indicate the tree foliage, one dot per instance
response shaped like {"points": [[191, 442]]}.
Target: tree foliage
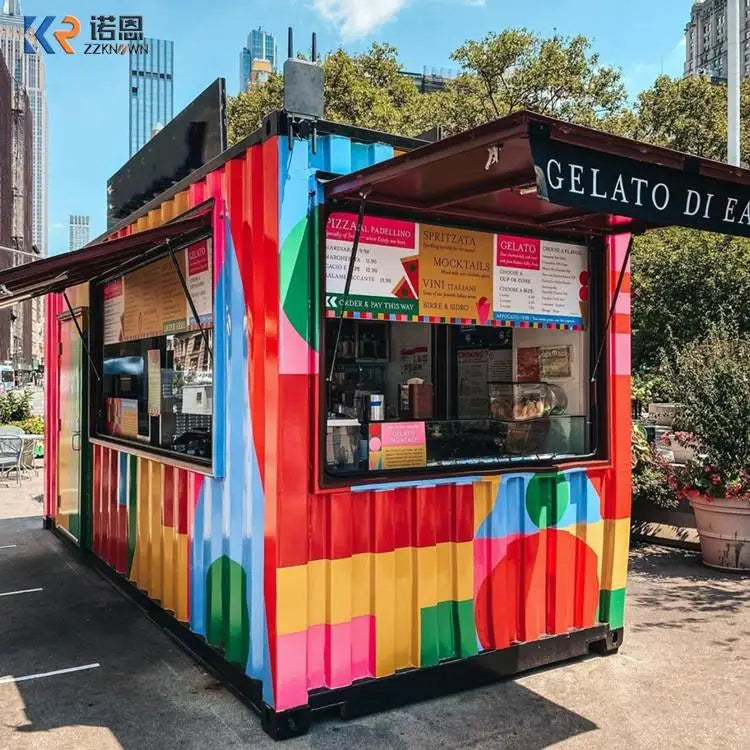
{"points": [[501, 73], [516, 69], [366, 90], [684, 281]]}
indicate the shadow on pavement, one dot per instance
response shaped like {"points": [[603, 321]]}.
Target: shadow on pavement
{"points": [[149, 693], [675, 583]]}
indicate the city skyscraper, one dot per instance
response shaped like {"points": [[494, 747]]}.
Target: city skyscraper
{"points": [[28, 72], [79, 231], [28, 113], [706, 39], [151, 91], [260, 46]]}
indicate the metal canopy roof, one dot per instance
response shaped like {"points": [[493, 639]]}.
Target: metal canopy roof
{"points": [[531, 172], [59, 272]]}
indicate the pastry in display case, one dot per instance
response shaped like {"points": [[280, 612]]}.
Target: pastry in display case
{"points": [[519, 402]]}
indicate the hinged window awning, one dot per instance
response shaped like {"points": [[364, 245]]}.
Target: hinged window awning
{"points": [[534, 173], [60, 272]]}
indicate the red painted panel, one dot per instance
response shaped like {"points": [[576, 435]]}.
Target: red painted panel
{"points": [[168, 496], [183, 513], [529, 593]]}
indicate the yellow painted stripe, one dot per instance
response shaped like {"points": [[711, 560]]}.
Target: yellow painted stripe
{"points": [[167, 570], [141, 571], [593, 535], [485, 492], [155, 538], [182, 573], [405, 581], [181, 203], [385, 614], [615, 557]]}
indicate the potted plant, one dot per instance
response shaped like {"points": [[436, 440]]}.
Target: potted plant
{"points": [[681, 444], [714, 381]]}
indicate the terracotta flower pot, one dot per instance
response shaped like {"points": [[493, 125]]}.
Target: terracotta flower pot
{"points": [[724, 530]]}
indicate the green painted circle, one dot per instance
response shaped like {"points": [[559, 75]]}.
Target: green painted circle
{"points": [[547, 498]]}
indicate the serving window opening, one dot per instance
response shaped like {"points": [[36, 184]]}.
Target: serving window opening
{"points": [[156, 359], [458, 349]]}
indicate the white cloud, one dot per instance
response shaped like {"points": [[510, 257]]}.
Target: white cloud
{"points": [[58, 225], [357, 18]]}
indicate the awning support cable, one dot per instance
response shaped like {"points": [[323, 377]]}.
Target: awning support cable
{"points": [[349, 274], [612, 309], [80, 333], [189, 298]]}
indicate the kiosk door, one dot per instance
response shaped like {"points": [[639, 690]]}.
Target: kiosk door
{"points": [[71, 425]]}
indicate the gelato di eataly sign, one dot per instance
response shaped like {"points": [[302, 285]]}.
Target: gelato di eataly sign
{"points": [[573, 176]]}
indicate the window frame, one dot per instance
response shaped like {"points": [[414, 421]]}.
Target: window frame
{"points": [[96, 394], [598, 416]]}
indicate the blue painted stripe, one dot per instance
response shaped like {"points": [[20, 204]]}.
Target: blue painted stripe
{"points": [[122, 479], [421, 483]]}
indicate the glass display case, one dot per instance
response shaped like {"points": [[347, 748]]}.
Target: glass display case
{"points": [[497, 441]]}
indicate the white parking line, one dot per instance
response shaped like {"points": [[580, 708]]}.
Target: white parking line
{"points": [[22, 591], [7, 546], [6, 680]]}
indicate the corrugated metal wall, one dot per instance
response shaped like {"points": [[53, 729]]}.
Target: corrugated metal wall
{"points": [[320, 589]]}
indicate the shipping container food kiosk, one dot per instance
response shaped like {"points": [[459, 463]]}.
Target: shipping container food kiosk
{"points": [[355, 411]]}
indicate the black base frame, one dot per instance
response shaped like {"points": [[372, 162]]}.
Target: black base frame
{"points": [[369, 695]]}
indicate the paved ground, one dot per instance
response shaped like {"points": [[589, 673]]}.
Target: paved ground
{"points": [[680, 680]]}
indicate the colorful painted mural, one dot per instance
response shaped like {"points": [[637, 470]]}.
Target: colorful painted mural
{"points": [[307, 588]]}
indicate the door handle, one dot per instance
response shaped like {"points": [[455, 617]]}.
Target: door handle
{"points": [[76, 441]]}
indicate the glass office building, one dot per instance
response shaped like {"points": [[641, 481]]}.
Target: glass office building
{"points": [[260, 46], [151, 91]]}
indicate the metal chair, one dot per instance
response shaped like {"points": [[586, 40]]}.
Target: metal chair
{"points": [[27, 446], [11, 450]]}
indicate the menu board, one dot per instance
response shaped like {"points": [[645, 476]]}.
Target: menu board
{"points": [[472, 383], [385, 275], [535, 363], [199, 281], [114, 307], [151, 301], [414, 362], [397, 445], [122, 417], [154, 382], [407, 271], [540, 281], [500, 365], [455, 267]]}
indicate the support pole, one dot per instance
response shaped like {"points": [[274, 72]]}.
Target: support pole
{"points": [[348, 283], [733, 82], [189, 298], [80, 333]]}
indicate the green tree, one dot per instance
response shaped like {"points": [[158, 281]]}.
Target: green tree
{"points": [[516, 69], [683, 282], [501, 73], [366, 90]]}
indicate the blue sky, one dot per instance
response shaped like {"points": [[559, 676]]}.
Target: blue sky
{"points": [[87, 95]]}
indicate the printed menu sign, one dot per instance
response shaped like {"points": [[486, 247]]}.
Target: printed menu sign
{"points": [[397, 445], [455, 267], [114, 307], [539, 281], [152, 302], [154, 382], [472, 383], [407, 269], [199, 281], [122, 417], [386, 270]]}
